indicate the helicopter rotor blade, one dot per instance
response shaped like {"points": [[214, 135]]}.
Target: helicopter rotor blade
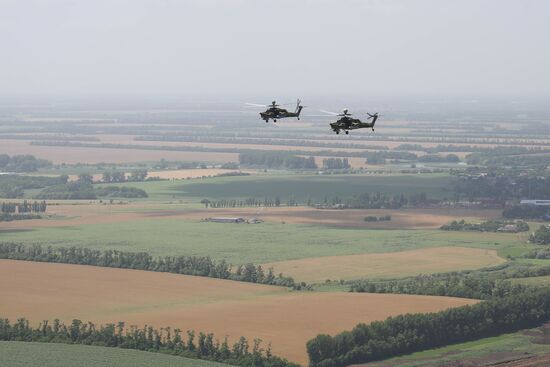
{"points": [[255, 105], [330, 113]]}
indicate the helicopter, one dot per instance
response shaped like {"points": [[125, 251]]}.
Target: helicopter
{"points": [[347, 123], [274, 111]]}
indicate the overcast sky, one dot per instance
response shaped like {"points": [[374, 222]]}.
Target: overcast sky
{"points": [[291, 47]]}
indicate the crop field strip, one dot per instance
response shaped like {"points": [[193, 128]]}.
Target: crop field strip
{"points": [[24, 354], [45, 291], [238, 244]]}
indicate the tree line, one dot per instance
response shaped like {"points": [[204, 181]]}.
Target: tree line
{"points": [[410, 333], [487, 226], [22, 163], [276, 160], [476, 284], [13, 186], [23, 207], [336, 163], [189, 265], [262, 141], [377, 200], [541, 236], [249, 202], [165, 340], [501, 184], [526, 212]]}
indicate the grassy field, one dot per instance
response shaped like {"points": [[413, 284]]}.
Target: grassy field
{"points": [[262, 243], [300, 187], [388, 265], [487, 351], [22, 354], [287, 319]]}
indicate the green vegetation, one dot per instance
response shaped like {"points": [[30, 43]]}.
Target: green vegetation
{"points": [[301, 187], [14, 186], [276, 160], [166, 340], [488, 226], [120, 192], [490, 349], [541, 236], [477, 284], [415, 332], [526, 212], [240, 244], [29, 354], [372, 218], [189, 265], [79, 190], [22, 163]]}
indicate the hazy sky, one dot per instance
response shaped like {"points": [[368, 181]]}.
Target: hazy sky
{"points": [[277, 46]]}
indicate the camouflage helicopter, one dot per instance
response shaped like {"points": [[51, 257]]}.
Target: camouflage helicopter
{"points": [[274, 111], [347, 123]]}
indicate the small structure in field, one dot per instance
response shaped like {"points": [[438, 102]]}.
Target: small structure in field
{"points": [[233, 220], [535, 202], [509, 228], [225, 220]]}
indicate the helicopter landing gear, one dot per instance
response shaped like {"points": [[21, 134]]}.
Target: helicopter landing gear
{"points": [[274, 120], [347, 132], [373, 129], [337, 132]]}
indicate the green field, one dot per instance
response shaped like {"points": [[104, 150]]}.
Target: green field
{"points": [[479, 352], [300, 187], [22, 354], [266, 242]]}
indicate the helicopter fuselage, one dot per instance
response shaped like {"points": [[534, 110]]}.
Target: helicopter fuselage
{"points": [[347, 123], [275, 113]]}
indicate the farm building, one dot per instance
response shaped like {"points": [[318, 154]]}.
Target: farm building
{"points": [[509, 228], [225, 220], [535, 202]]}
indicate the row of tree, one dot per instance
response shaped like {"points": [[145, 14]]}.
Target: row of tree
{"points": [[164, 340], [189, 265], [415, 332], [526, 212], [249, 202], [13, 186], [501, 184], [276, 160], [378, 200], [336, 163], [22, 163], [487, 226], [476, 284], [541, 236], [23, 207]]}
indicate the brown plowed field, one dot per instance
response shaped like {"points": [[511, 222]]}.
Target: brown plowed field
{"points": [[41, 291]]}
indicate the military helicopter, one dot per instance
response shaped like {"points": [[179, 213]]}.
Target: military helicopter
{"points": [[347, 123], [274, 111]]}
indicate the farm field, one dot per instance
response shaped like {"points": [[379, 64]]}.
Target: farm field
{"points": [[241, 243], [64, 213], [388, 265], [73, 155], [300, 187], [526, 348], [24, 354], [41, 291]]}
